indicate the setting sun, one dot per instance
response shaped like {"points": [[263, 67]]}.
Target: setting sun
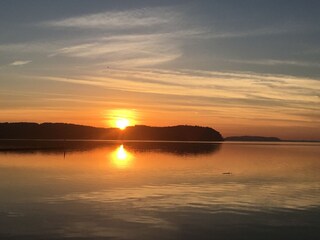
{"points": [[120, 118], [122, 123]]}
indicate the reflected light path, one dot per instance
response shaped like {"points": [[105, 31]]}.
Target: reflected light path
{"points": [[121, 158]]}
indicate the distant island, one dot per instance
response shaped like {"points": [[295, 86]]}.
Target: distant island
{"points": [[25, 130], [253, 139]]}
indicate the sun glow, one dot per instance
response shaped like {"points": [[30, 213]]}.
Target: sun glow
{"points": [[122, 123], [121, 118]]}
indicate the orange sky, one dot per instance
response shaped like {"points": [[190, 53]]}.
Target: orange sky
{"points": [[159, 65]]}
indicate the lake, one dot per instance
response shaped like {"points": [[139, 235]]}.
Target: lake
{"points": [[159, 190]]}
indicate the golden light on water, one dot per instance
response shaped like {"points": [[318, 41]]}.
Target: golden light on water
{"points": [[121, 158], [121, 153]]}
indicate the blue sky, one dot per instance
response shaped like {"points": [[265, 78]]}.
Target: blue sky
{"points": [[256, 63]]}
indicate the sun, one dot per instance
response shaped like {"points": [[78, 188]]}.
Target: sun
{"points": [[122, 123], [120, 118]]}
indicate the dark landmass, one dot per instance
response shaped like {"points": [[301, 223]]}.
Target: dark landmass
{"points": [[138, 132], [175, 133], [253, 139], [69, 146]]}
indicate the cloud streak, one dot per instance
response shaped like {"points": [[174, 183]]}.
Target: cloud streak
{"points": [[117, 19], [257, 32], [275, 62], [20, 63], [126, 50], [286, 98], [114, 42]]}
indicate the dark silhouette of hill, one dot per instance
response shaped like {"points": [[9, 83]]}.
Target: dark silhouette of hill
{"points": [[175, 133], [139, 132], [51, 131], [253, 139]]}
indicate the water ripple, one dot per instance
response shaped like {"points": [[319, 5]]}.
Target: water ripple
{"points": [[221, 197]]}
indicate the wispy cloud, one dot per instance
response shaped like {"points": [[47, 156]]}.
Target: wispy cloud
{"points": [[118, 19], [121, 38], [275, 62], [293, 97], [113, 41], [126, 50], [20, 63], [257, 31]]}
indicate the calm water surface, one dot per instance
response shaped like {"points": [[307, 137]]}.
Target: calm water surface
{"points": [[110, 190]]}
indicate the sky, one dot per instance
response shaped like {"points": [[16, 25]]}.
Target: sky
{"points": [[249, 67]]}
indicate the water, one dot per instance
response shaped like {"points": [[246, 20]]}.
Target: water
{"points": [[112, 190]]}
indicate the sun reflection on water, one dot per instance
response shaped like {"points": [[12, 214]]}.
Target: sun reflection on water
{"points": [[121, 158]]}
